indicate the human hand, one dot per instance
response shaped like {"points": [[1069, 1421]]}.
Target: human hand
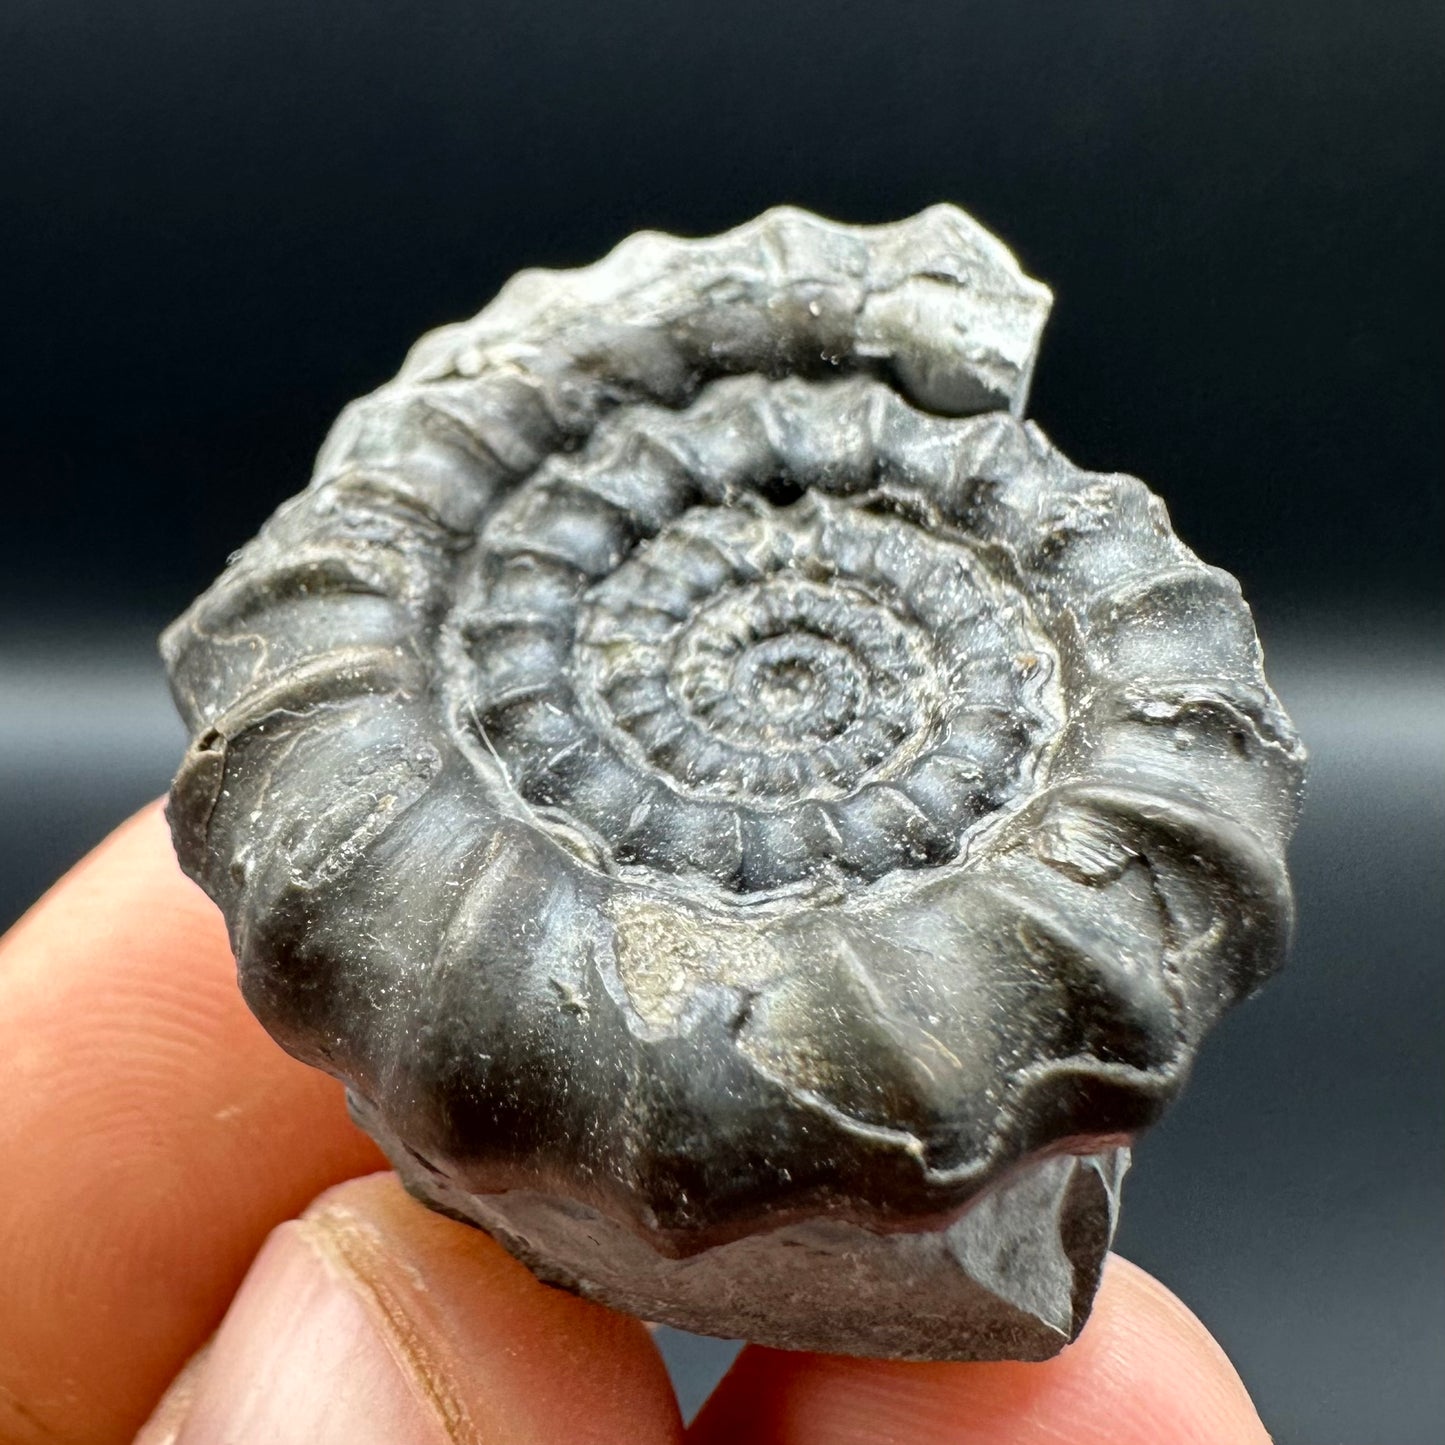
{"points": [[153, 1139]]}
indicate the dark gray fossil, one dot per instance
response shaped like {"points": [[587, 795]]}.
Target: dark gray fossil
{"points": [[753, 826]]}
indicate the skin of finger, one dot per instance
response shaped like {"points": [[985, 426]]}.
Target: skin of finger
{"points": [[164, 1425], [494, 1356], [1144, 1371], [151, 1135]]}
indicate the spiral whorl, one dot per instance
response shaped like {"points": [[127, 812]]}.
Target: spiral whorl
{"points": [[726, 654]]}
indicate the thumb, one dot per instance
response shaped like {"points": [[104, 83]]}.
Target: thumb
{"points": [[371, 1319]]}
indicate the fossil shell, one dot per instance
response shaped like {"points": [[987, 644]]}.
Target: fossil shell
{"points": [[754, 827]]}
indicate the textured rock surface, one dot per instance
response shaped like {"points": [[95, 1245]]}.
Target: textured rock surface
{"points": [[754, 827]]}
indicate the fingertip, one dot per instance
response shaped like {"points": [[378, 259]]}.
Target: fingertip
{"points": [[1157, 1352], [496, 1313], [169, 1417], [152, 1135], [373, 1320], [1144, 1371], [1146, 1359]]}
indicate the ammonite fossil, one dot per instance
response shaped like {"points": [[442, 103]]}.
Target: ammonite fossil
{"points": [[753, 826]]}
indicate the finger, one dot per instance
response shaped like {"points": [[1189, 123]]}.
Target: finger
{"points": [[372, 1321], [151, 1135], [164, 1425], [1143, 1372]]}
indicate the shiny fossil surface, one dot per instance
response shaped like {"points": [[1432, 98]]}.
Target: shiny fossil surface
{"points": [[754, 827]]}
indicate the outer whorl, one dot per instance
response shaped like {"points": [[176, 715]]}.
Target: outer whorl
{"points": [[753, 826]]}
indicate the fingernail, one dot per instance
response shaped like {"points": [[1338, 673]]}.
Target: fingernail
{"points": [[305, 1354]]}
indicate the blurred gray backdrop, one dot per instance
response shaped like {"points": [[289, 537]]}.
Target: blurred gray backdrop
{"points": [[220, 223]]}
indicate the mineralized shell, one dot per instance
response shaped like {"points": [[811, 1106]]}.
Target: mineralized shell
{"points": [[754, 827]]}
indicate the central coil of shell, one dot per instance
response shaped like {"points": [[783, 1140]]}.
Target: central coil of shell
{"points": [[741, 642]]}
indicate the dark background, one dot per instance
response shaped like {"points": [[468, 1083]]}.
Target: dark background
{"points": [[219, 222]]}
